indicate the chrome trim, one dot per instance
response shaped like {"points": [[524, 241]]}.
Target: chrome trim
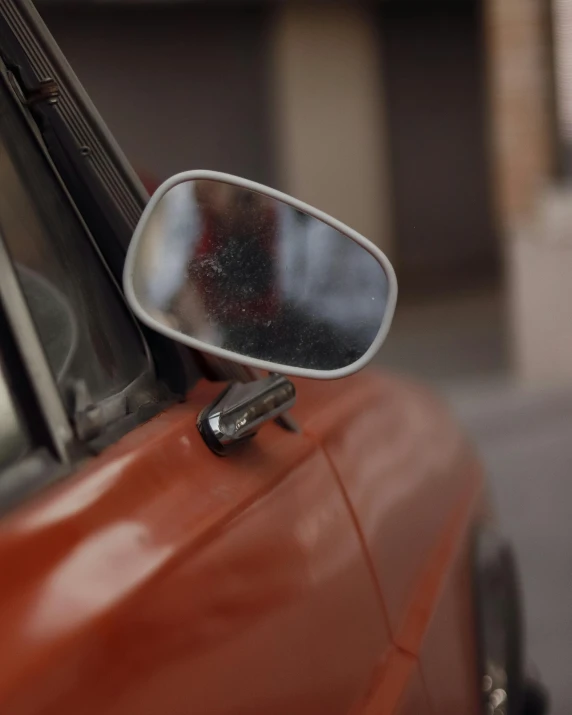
{"points": [[224, 369], [241, 409], [27, 476], [33, 355]]}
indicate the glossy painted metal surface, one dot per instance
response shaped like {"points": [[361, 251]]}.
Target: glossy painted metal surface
{"points": [[448, 655], [406, 469], [301, 575], [164, 579], [416, 490]]}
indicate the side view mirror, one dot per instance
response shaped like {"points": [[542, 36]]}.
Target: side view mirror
{"points": [[249, 274]]}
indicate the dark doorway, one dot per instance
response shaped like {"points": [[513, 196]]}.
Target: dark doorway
{"points": [[435, 94]]}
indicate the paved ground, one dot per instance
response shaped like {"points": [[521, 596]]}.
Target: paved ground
{"points": [[525, 439], [449, 341]]}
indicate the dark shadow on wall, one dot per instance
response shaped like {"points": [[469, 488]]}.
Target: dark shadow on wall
{"points": [[434, 83]]}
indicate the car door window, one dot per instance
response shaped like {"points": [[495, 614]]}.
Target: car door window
{"points": [[13, 436], [86, 330]]}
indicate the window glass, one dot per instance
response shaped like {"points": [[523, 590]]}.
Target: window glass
{"points": [[85, 328], [13, 438]]}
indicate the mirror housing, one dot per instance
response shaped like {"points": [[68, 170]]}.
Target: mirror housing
{"points": [[248, 274]]}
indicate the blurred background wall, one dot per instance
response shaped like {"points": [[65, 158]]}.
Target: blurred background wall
{"points": [[428, 125]]}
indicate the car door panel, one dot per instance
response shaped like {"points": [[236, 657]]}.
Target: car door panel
{"points": [[161, 578], [405, 468], [399, 689], [448, 652]]}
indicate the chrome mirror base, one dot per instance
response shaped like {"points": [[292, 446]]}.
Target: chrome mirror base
{"points": [[241, 409]]}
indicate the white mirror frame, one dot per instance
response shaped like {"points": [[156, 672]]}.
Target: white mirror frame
{"points": [[379, 256]]}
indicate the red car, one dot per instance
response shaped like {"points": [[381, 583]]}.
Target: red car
{"points": [[342, 558]]}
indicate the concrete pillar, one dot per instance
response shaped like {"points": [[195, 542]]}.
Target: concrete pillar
{"points": [[329, 121], [540, 280], [520, 103], [535, 220]]}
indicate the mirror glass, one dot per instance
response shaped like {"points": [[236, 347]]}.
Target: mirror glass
{"points": [[240, 270]]}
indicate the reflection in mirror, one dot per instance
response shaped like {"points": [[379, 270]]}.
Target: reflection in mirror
{"points": [[242, 271]]}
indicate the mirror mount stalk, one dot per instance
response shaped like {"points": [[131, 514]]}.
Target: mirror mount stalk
{"points": [[241, 409]]}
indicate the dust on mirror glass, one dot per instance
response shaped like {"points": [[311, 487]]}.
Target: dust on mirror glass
{"points": [[242, 271]]}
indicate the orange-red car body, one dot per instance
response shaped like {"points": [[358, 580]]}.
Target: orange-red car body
{"points": [[321, 572]]}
